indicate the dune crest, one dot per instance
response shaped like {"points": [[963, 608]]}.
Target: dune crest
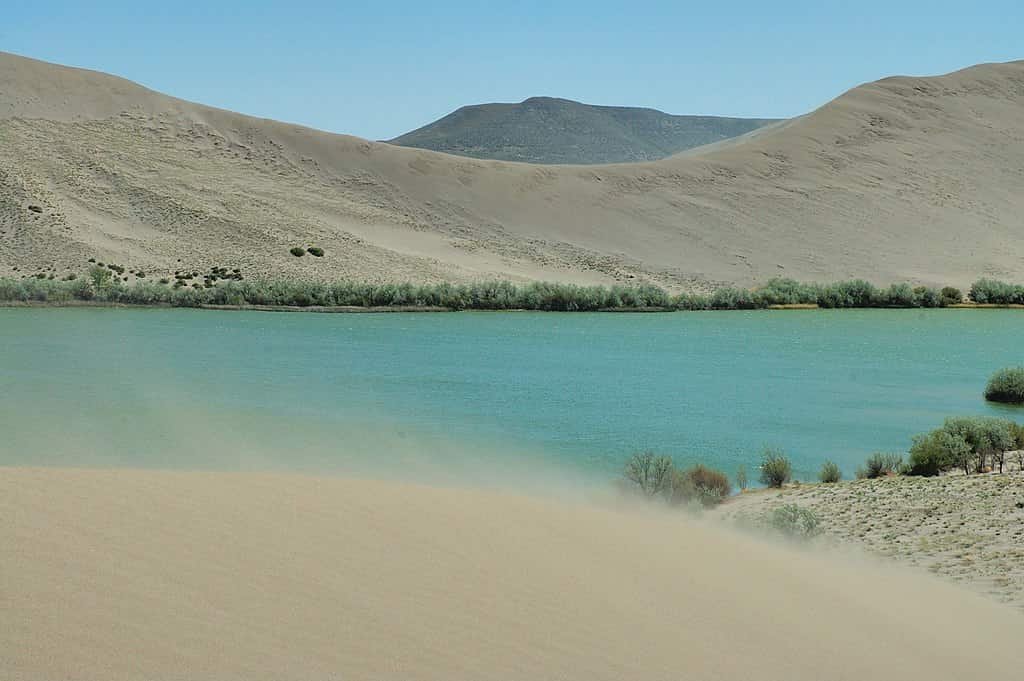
{"points": [[124, 574], [904, 179]]}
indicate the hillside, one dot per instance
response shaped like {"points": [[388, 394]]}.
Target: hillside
{"points": [[903, 179], [550, 130]]}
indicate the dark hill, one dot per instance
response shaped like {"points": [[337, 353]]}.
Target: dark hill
{"points": [[549, 130]]}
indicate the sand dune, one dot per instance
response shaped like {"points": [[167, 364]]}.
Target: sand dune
{"points": [[160, 575], [904, 179]]}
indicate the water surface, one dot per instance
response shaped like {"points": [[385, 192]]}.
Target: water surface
{"points": [[477, 391]]}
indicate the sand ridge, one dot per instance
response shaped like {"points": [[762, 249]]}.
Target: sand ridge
{"points": [[128, 574], [904, 179]]}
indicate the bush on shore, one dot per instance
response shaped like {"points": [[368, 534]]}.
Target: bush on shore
{"points": [[990, 291], [653, 476], [970, 443], [776, 470], [648, 473], [880, 465], [830, 473], [1006, 385]]}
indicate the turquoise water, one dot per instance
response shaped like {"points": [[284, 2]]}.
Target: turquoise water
{"points": [[479, 392]]}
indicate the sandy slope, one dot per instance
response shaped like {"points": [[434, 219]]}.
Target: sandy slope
{"points": [[906, 178], [159, 575]]}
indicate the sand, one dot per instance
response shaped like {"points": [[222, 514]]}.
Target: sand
{"points": [[914, 179], [967, 529], [120, 574]]}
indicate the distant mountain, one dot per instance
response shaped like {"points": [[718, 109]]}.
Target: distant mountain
{"points": [[549, 130]]}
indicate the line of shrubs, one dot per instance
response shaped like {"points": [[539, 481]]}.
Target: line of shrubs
{"points": [[657, 477], [973, 444], [496, 295]]}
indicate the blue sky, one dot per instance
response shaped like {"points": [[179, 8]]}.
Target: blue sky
{"points": [[377, 69]]}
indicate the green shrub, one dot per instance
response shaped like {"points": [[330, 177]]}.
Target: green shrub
{"points": [[936, 452], [1018, 435], [988, 437], [879, 465], [315, 251], [830, 473], [795, 522], [925, 296], [649, 474], [1006, 385], [298, 251], [965, 442], [988, 291], [776, 470], [951, 296]]}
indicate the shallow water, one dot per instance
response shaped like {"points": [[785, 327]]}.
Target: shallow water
{"points": [[486, 394]]}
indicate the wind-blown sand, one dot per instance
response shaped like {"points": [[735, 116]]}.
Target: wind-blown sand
{"points": [[914, 179], [966, 528], [123, 574]]}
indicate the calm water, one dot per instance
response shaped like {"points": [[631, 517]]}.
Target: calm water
{"points": [[477, 392]]}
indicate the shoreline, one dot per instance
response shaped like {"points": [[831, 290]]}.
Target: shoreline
{"points": [[377, 309], [965, 529]]}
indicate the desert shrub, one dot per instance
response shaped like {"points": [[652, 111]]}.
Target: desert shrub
{"points": [[830, 473], [1006, 385], [711, 486], [315, 251], [897, 295], [989, 291], [951, 296], [965, 442], [795, 522], [649, 474], [856, 293], [732, 299], [1018, 435], [776, 470], [100, 276], [786, 292], [925, 296], [936, 452], [986, 435], [879, 465], [297, 251], [741, 478]]}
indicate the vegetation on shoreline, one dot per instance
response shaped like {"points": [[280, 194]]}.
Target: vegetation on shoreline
{"points": [[224, 288]]}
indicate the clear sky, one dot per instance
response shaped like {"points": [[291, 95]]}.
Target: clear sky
{"points": [[378, 69]]}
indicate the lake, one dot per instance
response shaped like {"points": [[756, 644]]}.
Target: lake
{"points": [[486, 395]]}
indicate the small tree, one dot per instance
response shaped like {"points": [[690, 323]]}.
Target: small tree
{"points": [[776, 470], [649, 473], [830, 473], [298, 251]]}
